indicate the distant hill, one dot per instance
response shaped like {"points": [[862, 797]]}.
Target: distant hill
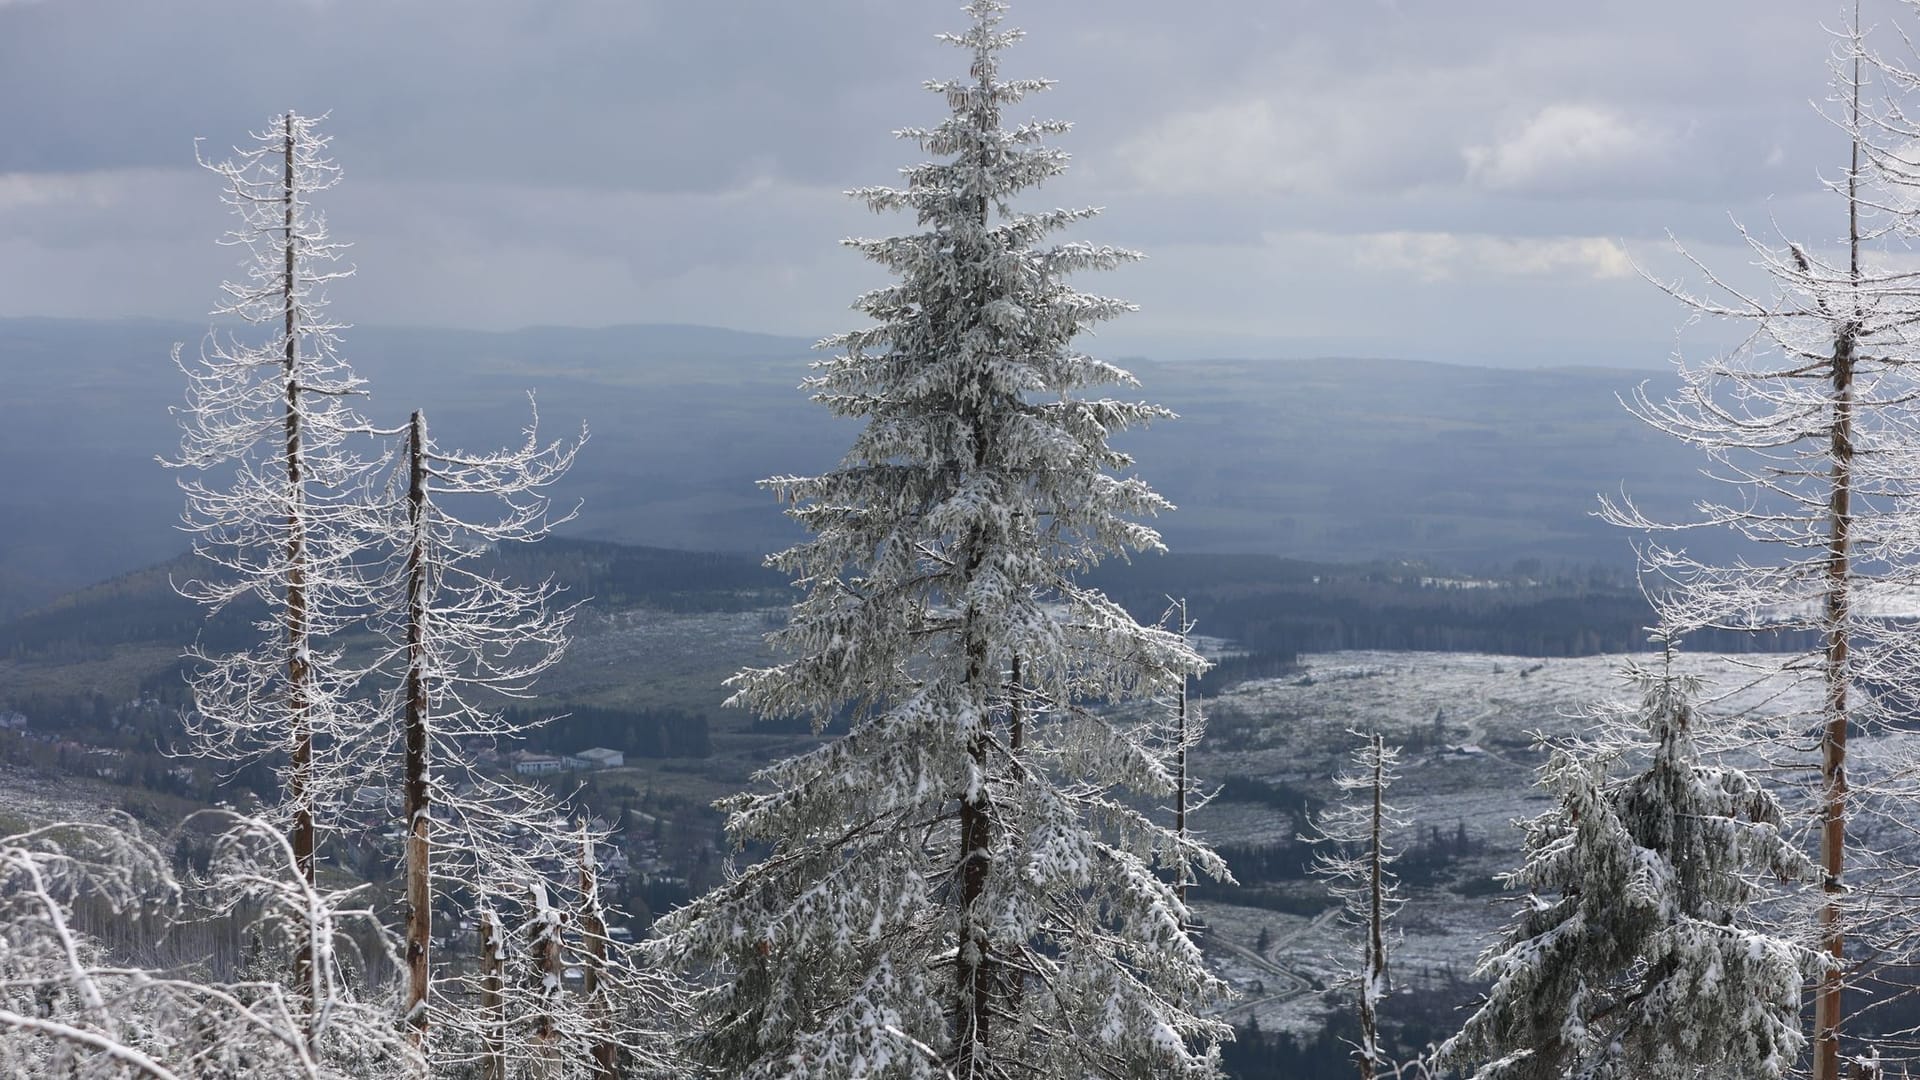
{"points": [[1346, 459], [1267, 605]]}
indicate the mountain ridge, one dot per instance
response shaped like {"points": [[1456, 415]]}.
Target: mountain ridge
{"points": [[1328, 457]]}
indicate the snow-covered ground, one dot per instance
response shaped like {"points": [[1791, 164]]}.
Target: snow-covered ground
{"points": [[30, 798]]}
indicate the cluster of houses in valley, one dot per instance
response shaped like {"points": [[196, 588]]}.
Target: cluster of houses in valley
{"points": [[528, 763]]}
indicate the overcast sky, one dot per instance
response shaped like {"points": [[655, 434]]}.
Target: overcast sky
{"points": [[1418, 178]]}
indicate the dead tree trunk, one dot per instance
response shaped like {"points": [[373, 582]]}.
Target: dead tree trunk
{"points": [[593, 935], [418, 795], [1827, 1002], [547, 971], [493, 996], [299, 645], [1375, 973]]}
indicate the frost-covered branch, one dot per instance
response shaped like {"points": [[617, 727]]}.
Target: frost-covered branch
{"points": [[74, 1009]]}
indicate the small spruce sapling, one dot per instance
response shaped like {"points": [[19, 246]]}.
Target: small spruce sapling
{"points": [[1635, 952]]}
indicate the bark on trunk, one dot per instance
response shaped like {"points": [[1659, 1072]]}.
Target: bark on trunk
{"points": [[493, 996], [1376, 965], [1827, 1002], [973, 977], [299, 655], [593, 933], [1016, 706], [975, 968], [547, 969], [418, 794]]}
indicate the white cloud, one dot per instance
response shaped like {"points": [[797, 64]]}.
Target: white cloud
{"points": [[1443, 256], [97, 189], [1564, 146], [1248, 145]]}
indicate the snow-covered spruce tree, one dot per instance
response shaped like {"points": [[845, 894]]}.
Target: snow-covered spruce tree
{"points": [[1810, 422], [962, 885], [1356, 838], [275, 494], [1635, 953]]}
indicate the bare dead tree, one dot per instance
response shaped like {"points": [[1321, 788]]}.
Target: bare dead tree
{"points": [[592, 920], [1355, 853], [275, 492], [418, 801], [493, 1001]]}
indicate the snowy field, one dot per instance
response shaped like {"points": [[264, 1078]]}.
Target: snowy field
{"points": [[640, 656]]}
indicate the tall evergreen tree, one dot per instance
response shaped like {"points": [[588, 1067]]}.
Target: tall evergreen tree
{"points": [[1636, 953], [962, 884]]}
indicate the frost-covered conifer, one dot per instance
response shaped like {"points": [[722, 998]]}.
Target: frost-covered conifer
{"points": [[963, 884], [1356, 855], [275, 493], [1635, 953]]}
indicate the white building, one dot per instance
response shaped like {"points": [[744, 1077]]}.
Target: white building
{"points": [[537, 764], [597, 758]]}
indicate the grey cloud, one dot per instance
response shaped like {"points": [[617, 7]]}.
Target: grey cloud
{"points": [[651, 95], [677, 96], [599, 161]]}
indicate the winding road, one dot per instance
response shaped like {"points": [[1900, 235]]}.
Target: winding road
{"points": [[1291, 984]]}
